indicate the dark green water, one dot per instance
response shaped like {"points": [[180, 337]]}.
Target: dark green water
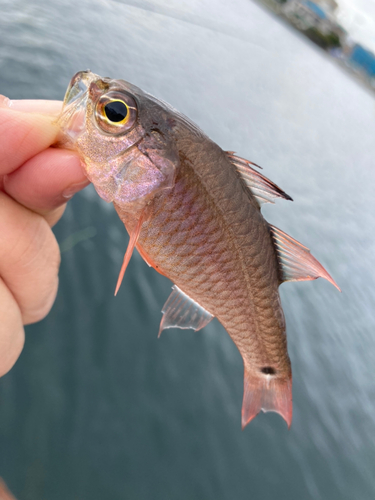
{"points": [[97, 407]]}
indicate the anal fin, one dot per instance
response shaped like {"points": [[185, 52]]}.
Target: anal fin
{"points": [[266, 393], [180, 311], [296, 261]]}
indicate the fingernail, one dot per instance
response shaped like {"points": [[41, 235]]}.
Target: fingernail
{"points": [[70, 191], [4, 101], [35, 106]]}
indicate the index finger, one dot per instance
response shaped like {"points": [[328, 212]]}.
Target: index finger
{"points": [[23, 135]]}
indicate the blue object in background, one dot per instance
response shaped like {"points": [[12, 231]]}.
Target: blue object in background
{"points": [[363, 59], [315, 8]]}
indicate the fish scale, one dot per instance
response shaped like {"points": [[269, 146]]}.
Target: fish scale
{"points": [[209, 231], [242, 258], [193, 212]]}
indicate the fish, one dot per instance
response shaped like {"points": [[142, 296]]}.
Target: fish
{"points": [[193, 212], [5, 494]]}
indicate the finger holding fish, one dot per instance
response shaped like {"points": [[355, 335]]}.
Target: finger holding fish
{"points": [[12, 335], [46, 182], [23, 135], [29, 261], [41, 178], [36, 181]]}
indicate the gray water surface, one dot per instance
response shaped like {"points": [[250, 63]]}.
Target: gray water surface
{"points": [[97, 407]]}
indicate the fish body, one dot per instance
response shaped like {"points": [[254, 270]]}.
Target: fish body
{"points": [[193, 212], [208, 236]]}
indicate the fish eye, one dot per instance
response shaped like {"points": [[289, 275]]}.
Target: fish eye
{"points": [[116, 112]]}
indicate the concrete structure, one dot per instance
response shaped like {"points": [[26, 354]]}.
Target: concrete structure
{"points": [[307, 14]]}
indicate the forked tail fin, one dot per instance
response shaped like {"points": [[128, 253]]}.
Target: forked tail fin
{"points": [[265, 393]]}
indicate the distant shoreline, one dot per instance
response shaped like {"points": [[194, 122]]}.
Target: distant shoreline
{"points": [[321, 28]]}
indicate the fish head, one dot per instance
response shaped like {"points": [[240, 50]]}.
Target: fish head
{"points": [[123, 135]]}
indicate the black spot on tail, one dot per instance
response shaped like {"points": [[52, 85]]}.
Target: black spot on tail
{"points": [[268, 370]]}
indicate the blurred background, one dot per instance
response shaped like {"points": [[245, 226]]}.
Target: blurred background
{"points": [[98, 407], [345, 29]]}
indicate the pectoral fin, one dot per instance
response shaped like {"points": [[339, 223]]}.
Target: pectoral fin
{"points": [[129, 251], [296, 261], [5, 494], [180, 311], [266, 393]]}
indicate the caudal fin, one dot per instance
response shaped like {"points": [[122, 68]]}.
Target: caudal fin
{"points": [[266, 393]]}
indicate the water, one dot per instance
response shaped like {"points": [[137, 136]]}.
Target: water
{"points": [[97, 407]]}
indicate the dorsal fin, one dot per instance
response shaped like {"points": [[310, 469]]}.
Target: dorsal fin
{"points": [[264, 190], [180, 311], [232, 156], [296, 261]]}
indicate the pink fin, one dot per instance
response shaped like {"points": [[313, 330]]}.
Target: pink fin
{"points": [[266, 393], [5, 494], [232, 156], [297, 263], [132, 242], [180, 311], [264, 190]]}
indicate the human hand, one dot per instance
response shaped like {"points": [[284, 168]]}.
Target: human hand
{"points": [[5, 494], [36, 181]]}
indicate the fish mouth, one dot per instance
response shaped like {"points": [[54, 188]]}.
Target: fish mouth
{"points": [[73, 115], [78, 86]]}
